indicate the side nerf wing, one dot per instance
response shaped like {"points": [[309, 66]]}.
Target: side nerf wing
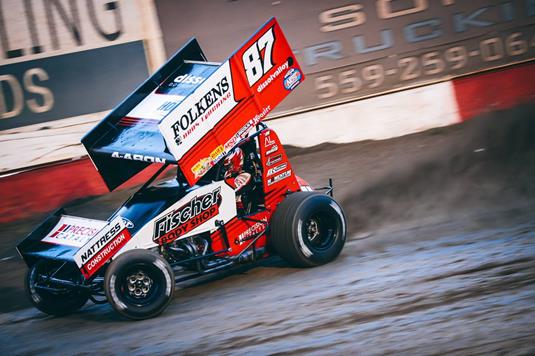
{"points": [[228, 105]]}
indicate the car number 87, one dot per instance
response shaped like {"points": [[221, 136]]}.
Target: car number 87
{"points": [[256, 66]]}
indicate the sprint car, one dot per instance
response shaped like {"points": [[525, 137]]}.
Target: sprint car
{"points": [[187, 118]]}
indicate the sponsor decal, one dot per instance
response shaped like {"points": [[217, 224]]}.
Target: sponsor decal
{"points": [[277, 169], [198, 114], [87, 252], [255, 230], [105, 253], [73, 231], [138, 157], [204, 165], [156, 106], [273, 148], [279, 177], [180, 221], [272, 77], [292, 78], [274, 160], [188, 79], [244, 131], [201, 167], [268, 141], [217, 153], [167, 106], [129, 224], [202, 108]]}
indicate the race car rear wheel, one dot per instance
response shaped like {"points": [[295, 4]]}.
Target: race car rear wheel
{"points": [[139, 284], [308, 229], [56, 301]]}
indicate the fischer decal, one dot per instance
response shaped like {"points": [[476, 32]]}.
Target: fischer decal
{"points": [[187, 217]]}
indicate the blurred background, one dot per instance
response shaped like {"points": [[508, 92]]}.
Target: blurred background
{"points": [[421, 110]]}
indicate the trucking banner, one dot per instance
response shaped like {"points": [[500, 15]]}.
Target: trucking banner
{"points": [[355, 49]]}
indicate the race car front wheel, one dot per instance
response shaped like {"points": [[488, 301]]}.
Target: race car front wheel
{"points": [[139, 284], [49, 298], [308, 229]]}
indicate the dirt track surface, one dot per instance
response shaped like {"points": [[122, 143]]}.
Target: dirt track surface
{"points": [[440, 259]]}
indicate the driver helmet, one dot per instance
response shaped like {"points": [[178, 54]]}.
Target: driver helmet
{"points": [[233, 163]]}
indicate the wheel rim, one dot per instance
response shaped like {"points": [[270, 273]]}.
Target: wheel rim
{"points": [[320, 231], [139, 285]]}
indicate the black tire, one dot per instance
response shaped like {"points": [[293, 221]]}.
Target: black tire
{"points": [[139, 284], [58, 304], [308, 229]]}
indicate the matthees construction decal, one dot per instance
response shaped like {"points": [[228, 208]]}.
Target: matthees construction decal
{"points": [[104, 245]]}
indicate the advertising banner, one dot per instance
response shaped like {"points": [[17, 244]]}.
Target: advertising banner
{"points": [[354, 49], [62, 59]]}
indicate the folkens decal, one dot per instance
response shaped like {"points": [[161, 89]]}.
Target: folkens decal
{"points": [[201, 108]]}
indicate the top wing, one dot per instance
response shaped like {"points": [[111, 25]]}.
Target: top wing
{"points": [[128, 140], [231, 102], [191, 112]]}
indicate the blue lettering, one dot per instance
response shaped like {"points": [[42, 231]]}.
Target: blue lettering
{"points": [[387, 41], [330, 50], [461, 21], [411, 30]]}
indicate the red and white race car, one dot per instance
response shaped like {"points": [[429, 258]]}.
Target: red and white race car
{"points": [[235, 197]]}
